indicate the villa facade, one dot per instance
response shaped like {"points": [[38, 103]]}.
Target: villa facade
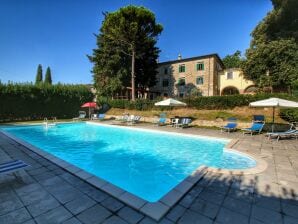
{"points": [[204, 75]]}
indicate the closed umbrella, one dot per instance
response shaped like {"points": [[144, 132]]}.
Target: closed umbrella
{"points": [[274, 103], [89, 105], [170, 102]]}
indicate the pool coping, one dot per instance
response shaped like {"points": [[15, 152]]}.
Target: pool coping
{"points": [[155, 210]]}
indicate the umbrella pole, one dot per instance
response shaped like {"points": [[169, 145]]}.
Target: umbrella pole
{"points": [[273, 112], [89, 113]]}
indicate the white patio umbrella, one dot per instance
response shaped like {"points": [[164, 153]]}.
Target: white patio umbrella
{"points": [[170, 102], [274, 103]]}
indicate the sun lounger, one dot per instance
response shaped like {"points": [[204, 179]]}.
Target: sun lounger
{"points": [[258, 119], [184, 123], [161, 121], [285, 134], [82, 115], [98, 117], [133, 119], [12, 166], [230, 126], [255, 128]]}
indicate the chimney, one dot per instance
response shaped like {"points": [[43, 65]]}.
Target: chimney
{"points": [[179, 56]]}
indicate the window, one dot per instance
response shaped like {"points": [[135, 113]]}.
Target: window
{"points": [[200, 66], [181, 68], [181, 82], [165, 83], [200, 80], [166, 71], [230, 75]]}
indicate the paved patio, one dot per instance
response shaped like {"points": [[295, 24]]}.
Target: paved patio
{"points": [[50, 194]]}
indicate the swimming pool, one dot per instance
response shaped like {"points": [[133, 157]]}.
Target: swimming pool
{"points": [[145, 163]]}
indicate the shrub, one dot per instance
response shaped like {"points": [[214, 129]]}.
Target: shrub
{"points": [[30, 102], [290, 115], [209, 103]]}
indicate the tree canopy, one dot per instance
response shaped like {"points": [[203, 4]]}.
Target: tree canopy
{"points": [[130, 32], [272, 59], [48, 76], [233, 61], [38, 78]]}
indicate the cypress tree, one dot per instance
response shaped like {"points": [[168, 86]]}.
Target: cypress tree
{"points": [[38, 78], [48, 77]]}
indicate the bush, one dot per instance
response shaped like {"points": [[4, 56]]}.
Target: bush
{"points": [[32, 102], [290, 115], [208, 103]]}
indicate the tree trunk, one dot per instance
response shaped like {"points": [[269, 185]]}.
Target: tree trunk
{"points": [[133, 91]]}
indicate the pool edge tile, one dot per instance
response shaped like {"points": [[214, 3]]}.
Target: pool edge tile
{"points": [[132, 200], [155, 210]]}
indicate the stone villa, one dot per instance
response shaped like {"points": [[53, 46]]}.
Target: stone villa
{"points": [[204, 75]]}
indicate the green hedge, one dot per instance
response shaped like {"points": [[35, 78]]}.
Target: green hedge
{"points": [[209, 103], [31, 102]]}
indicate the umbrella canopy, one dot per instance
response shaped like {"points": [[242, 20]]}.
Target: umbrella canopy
{"points": [[274, 102], [170, 102], [89, 104]]}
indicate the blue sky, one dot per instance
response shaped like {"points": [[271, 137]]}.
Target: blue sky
{"points": [[59, 33]]}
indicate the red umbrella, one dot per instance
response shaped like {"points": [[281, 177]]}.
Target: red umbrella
{"points": [[90, 105]]}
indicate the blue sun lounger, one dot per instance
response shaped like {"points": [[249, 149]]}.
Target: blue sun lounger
{"points": [[231, 125], [12, 166], [161, 121], [255, 128]]}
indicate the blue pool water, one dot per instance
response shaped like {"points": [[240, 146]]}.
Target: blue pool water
{"points": [[147, 164]]}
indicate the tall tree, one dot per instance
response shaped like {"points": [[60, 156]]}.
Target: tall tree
{"points": [[48, 77], [126, 52], [272, 59], [38, 78], [233, 61]]}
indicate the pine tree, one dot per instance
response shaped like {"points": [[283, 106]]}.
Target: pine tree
{"points": [[38, 78], [48, 77]]}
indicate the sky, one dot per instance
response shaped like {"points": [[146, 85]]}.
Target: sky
{"points": [[60, 33]]}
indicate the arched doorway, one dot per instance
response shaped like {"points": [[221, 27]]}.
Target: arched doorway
{"points": [[251, 89], [230, 90]]}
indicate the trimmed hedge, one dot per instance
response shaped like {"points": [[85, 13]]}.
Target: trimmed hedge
{"points": [[31, 102], [208, 103]]}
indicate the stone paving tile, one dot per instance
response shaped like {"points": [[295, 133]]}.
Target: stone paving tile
{"points": [[268, 202], [10, 205], [31, 221], [266, 215], [130, 215], [194, 218], [291, 210], [205, 208], [54, 216], [231, 217], [290, 220], [17, 216], [239, 206], [212, 196], [176, 213], [114, 220], [80, 204], [94, 215], [112, 204], [43, 206], [72, 220]]}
